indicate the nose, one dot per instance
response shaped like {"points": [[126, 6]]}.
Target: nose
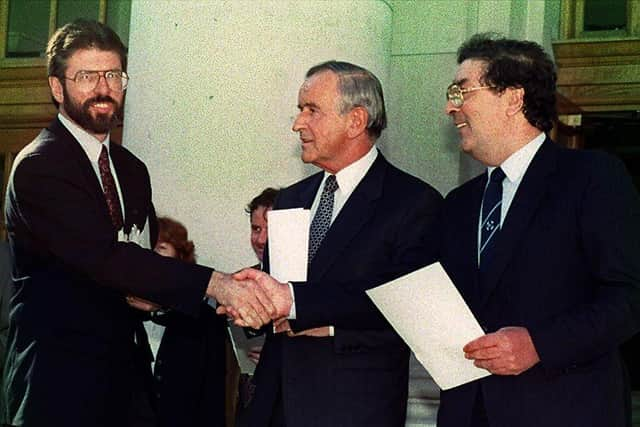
{"points": [[262, 237], [102, 86], [450, 109], [298, 123]]}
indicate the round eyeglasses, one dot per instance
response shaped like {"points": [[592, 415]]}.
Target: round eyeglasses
{"points": [[455, 94], [87, 80]]}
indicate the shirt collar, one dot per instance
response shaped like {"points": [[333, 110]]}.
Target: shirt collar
{"points": [[90, 144], [516, 165], [348, 178]]}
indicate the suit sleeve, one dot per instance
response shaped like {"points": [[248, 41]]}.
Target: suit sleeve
{"points": [[57, 220], [609, 223], [413, 243]]}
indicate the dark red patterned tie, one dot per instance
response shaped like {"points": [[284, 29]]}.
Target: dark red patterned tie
{"points": [[110, 191]]}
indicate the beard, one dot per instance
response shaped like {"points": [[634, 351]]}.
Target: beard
{"points": [[79, 113]]}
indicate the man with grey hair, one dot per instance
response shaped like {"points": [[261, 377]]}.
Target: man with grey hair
{"points": [[334, 360]]}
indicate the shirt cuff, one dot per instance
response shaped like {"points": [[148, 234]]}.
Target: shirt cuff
{"points": [[292, 312]]}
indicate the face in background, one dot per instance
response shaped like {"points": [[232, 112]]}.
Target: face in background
{"points": [[481, 117], [322, 129], [98, 110], [166, 249], [259, 230]]}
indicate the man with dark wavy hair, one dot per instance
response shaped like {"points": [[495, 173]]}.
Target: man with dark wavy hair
{"points": [[543, 247]]}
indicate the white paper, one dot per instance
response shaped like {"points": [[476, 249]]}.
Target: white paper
{"points": [[241, 346], [428, 312], [288, 244]]}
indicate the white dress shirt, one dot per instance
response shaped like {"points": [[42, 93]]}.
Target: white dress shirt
{"points": [[92, 148], [514, 169], [348, 179]]}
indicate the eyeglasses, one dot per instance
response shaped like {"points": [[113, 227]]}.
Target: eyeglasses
{"points": [[455, 93], [87, 80]]}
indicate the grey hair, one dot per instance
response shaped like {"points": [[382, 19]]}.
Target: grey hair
{"points": [[358, 87]]}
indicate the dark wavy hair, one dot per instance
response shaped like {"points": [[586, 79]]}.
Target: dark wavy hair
{"points": [[267, 198], [517, 64], [80, 34], [173, 232]]}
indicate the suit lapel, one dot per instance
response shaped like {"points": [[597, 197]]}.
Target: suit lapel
{"points": [[77, 154], [525, 204], [467, 230], [354, 214]]}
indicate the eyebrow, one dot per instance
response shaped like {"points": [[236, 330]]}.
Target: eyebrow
{"points": [[308, 104], [460, 82]]}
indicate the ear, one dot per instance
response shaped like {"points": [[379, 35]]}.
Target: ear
{"points": [[515, 100], [56, 89], [358, 119]]}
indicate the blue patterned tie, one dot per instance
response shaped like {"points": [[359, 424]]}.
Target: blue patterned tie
{"points": [[490, 226], [322, 219]]}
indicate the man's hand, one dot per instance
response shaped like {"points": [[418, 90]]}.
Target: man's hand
{"points": [[278, 293], [508, 351], [142, 304], [282, 325], [242, 299], [254, 353]]}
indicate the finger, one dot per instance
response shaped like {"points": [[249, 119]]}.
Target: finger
{"points": [[246, 274], [247, 314], [488, 340], [484, 353], [239, 322], [221, 310], [264, 305]]}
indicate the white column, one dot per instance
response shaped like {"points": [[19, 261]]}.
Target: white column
{"points": [[213, 95]]}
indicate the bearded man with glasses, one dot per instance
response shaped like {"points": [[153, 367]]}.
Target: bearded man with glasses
{"points": [[77, 208]]}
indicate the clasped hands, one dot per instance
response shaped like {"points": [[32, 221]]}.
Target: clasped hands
{"points": [[250, 297]]}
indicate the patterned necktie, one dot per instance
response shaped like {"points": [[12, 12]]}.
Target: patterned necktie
{"points": [[491, 206], [110, 191], [322, 219]]}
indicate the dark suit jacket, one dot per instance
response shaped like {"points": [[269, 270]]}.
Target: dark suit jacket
{"points": [[190, 369], [567, 268], [71, 353], [358, 377]]}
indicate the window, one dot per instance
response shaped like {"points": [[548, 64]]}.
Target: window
{"points": [[583, 19], [25, 26]]}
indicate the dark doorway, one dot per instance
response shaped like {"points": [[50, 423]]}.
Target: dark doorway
{"points": [[619, 134]]}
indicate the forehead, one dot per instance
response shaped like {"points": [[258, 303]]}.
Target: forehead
{"points": [[260, 214], [470, 71], [321, 86], [94, 59]]}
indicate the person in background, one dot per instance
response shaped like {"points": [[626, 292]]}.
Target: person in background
{"points": [[544, 247], [257, 209], [189, 367]]}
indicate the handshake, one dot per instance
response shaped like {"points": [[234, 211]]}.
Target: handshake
{"points": [[250, 297]]}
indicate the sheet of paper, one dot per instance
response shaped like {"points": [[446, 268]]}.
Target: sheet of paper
{"points": [[288, 244], [241, 346], [428, 312]]}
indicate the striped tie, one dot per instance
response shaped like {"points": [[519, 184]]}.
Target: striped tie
{"points": [[490, 227]]}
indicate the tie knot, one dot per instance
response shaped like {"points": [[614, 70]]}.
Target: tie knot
{"points": [[497, 175], [104, 154], [331, 184]]}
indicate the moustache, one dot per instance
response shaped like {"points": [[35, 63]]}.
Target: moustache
{"points": [[99, 98]]}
